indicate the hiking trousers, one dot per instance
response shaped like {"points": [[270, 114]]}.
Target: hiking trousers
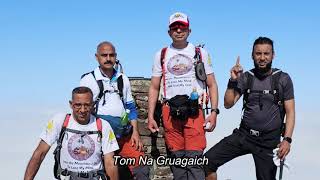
{"points": [[241, 142], [185, 139]]}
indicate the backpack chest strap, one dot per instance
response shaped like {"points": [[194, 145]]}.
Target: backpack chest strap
{"points": [[273, 92], [111, 91], [82, 132]]}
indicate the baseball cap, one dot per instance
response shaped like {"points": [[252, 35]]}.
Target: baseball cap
{"points": [[179, 17]]}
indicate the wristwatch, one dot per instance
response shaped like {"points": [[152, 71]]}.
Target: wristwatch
{"points": [[232, 83], [288, 139], [215, 110]]}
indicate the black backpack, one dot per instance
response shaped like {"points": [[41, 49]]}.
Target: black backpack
{"points": [[275, 90], [102, 92]]}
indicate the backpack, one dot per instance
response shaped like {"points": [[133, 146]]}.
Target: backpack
{"points": [[57, 170], [278, 97], [102, 92]]}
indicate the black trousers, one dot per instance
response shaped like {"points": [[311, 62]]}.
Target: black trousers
{"points": [[241, 142]]}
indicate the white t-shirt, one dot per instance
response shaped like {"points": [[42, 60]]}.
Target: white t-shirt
{"points": [[180, 77], [113, 105], [80, 154]]}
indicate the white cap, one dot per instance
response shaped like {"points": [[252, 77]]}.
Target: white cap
{"points": [[179, 17]]}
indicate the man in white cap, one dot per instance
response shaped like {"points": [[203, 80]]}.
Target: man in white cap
{"points": [[184, 123]]}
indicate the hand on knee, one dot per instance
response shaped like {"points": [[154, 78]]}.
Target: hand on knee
{"points": [[211, 176]]}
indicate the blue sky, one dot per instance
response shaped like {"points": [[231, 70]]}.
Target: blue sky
{"points": [[47, 45]]}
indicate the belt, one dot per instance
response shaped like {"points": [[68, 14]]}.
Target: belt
{"points": [[252, 132], [89, 175], [257, 133]]}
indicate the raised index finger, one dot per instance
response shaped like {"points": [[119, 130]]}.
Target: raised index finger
{"points": [[238, 61]]}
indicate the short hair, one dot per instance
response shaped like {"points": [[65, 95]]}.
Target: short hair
{"points": [[105, 43], [263, 40], [81, 90]]}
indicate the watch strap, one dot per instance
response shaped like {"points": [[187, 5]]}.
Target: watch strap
{"points": [[288, 139], [216, 110]]}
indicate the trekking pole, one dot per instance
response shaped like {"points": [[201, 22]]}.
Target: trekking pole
{"points": [[281, 169], [204, 106], [207, 109]]}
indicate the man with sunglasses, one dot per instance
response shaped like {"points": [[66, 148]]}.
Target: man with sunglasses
{"points": [[80, 145], [175, 67], [114, 104]]}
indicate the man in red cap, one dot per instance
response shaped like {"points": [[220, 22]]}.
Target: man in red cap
{"points": [[184, 123]]}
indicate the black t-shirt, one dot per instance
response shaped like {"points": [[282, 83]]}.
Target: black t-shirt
{"points": [[267, 117]]}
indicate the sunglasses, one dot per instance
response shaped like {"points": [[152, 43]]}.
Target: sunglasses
{"points": [[179, 26], [110, 55]]}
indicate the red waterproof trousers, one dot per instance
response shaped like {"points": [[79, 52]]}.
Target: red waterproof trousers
{"points": [[184, 135]]}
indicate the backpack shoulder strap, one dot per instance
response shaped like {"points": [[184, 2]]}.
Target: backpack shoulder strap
{"points": [[278, 96], [99, 82], [248, 86], [162, 56], [66, 121], [198, 54], [99, 126], [100, 85], [275, 79], [275, 88], [83, 75], [250, 79], [63, 129], [120, 86], [57, 166]]}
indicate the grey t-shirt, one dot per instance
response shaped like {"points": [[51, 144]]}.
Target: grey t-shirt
{"points": [[267, 117]]}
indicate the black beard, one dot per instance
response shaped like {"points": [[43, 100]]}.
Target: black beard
{"points": [[262, 73]]}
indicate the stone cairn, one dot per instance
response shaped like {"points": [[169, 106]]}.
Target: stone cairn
{"points": [[140, 87]]}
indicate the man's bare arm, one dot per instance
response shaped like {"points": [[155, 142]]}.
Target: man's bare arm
{"points": [[110, 167], [152, 100], [213, 92], [231, 96], [34, 164], [284, 146]]}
